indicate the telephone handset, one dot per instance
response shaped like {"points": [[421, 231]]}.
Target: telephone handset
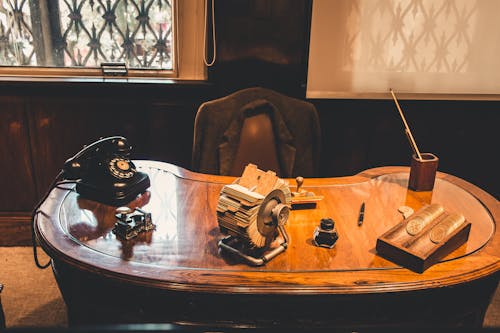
{"points": [[104, 172]]}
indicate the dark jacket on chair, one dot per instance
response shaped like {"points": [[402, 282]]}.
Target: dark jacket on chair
{"points": [[295, 123]]}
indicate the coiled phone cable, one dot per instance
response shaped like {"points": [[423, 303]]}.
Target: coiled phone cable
{"points": [[34, 214]]}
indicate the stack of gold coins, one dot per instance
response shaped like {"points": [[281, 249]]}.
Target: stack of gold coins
{"points": [[446, 227], [417, 223]]}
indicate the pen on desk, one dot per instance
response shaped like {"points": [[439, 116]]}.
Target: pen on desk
{"points": [[361, 214]]}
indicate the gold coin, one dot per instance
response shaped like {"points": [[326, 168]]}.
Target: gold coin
{"points": [[406, 211], [438, 233], [415, 225], [446, 227]]}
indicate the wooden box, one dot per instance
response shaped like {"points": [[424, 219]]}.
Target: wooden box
{"points": [[424, 238]]}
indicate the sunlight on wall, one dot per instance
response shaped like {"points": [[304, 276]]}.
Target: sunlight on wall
{"points": [[413, 46]]}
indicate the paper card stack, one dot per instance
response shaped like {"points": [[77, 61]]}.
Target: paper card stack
{"points": [[240, 201]]}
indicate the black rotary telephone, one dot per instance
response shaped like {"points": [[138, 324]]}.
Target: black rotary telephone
{"points": [[103, 172]]}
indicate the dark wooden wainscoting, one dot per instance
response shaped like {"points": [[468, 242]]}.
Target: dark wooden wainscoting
{"points": [[360, 134], [259, 43], [43, 124]]}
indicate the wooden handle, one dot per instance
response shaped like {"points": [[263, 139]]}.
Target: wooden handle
{"points": [[413, 144], [299, 180]]}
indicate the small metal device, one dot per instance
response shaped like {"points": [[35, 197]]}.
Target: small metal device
{"points": [[325, 234], [132, 222], [114, 68]]}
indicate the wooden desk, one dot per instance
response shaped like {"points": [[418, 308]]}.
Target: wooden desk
{"points": [[176, 273]]}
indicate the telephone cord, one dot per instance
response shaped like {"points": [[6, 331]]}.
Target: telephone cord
{"points": [[55, 183], [214, 45]]}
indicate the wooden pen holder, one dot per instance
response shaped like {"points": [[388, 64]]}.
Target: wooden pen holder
{"points": [[423, 172]]}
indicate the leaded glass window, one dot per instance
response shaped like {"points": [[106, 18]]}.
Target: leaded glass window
{"points": [[86, 33]]}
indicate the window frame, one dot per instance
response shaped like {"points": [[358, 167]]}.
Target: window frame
{"points": [[187, 61]]}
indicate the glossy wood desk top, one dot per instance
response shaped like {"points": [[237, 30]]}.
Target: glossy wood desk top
{"points": [[182, 253]]}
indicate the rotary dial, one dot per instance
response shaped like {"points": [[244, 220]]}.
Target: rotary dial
{"points": [[121, 168]]}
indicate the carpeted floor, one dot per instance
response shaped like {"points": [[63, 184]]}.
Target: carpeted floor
{"points": [[31, 296]]}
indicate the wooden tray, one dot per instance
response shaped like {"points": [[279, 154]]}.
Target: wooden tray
{"points": [[419, 248]]}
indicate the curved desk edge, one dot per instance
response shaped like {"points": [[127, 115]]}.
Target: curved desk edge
{"points": [[483, 264]]}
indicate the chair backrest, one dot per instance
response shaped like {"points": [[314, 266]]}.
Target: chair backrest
{"points": [[257, 145], [260, 126]]}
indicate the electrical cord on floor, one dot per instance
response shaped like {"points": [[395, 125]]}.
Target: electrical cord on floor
{"points": [[55, 183]]}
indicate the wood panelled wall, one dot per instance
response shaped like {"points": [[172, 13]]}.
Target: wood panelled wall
{"points": [[43, 124], [259, 42]]}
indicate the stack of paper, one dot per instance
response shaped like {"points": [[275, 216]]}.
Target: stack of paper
{"points": [[236, 210]]}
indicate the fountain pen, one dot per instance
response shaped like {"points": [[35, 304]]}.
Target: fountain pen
{"points": [[361, 214]]}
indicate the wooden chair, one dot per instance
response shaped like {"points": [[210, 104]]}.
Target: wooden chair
{"points": [[260, 126]]}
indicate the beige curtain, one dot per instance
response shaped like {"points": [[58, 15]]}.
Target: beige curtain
{"points": [[428, 47]]}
